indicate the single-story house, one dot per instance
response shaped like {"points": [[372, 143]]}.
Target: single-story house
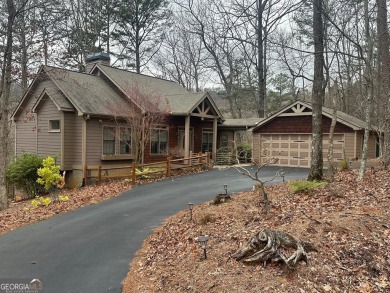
{"points": [[286, 135], [74, 116]]}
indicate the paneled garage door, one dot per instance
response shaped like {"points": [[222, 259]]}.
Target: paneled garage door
{"points": [[294, 150]]}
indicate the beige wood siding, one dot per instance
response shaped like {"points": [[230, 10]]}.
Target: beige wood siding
{"points": [[349, 145], [256, 147], [25, 123], [49, 143], [371, 153], [371, 146], [72, 140], [359, 144], [94, 141], [26, 137]]}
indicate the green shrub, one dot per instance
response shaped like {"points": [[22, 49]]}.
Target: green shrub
{"points": [[344, 165], [305, 186], [22, 173], [245, 151], [41, 201], [49, 175]]}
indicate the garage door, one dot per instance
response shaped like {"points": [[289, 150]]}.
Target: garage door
{"points": [[294, 150]]}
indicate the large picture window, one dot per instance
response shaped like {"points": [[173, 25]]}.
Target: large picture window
{"points": [[125, 141], [109, 140], [159, 141], [207, 140]]}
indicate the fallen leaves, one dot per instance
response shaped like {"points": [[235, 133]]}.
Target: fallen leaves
{"points": [[347, 220]]}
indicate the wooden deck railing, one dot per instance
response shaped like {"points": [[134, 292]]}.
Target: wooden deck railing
{"points": [[163, 167]]}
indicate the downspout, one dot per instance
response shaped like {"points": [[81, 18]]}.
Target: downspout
{"points": [[84, 144]]}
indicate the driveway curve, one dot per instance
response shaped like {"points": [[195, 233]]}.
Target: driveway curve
{"points": [[89, 250]]}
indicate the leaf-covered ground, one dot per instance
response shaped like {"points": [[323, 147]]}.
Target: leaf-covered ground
{"points": [[348, 221]]}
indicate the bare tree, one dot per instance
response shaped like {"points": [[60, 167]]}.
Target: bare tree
{"points": [[182, 57], [5, 93], [146, 112], [318, 93], [260, 183], [383, 64], [368, 86], [332, 167]]}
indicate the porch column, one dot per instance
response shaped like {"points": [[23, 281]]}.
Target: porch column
{"points": [[215, 121], [187, 137]]}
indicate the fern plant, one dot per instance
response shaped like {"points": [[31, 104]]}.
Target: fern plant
{"points": [[305, 186]]}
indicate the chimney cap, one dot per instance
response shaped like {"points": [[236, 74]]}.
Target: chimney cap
{"points": [[97, 56]]}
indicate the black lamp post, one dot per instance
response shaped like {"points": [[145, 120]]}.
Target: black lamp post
{"points": [[203, 244]]}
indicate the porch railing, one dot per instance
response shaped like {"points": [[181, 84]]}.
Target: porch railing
{"points": [[134, 170]]}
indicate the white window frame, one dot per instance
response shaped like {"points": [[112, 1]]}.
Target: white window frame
{"points": [[51, 129]]}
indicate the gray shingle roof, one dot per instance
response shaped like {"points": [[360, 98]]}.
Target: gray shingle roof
{"points": [[176, 98], [344, 118], [245, 122], [88, 93], [93, 94], [59, 99]]}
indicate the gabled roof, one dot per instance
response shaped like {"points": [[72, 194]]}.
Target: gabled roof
{"points": [[88, 93], [175, 99], [300, 108], [61, 102], [92, 94]]}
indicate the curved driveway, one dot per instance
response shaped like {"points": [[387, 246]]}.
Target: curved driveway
{"points": [[89, 250]]}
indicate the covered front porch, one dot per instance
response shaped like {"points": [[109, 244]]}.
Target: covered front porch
{"points": [[200, 131]]}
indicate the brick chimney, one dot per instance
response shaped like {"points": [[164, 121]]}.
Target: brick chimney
{"points": [[92, 59]]}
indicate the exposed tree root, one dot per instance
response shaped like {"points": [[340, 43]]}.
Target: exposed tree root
{"points": [[266, 246]]}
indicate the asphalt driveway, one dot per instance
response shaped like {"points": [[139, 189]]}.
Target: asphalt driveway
{"points": [[89, 250]]}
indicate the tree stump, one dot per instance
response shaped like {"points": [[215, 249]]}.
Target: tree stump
{"points": [[220, 198], [266, 246]]}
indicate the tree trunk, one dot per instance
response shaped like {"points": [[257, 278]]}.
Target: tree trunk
{"points": [[384, 75], [23, 60], [368, 88], [5, 90], [260, 60], [332, 167], [316, 168]]}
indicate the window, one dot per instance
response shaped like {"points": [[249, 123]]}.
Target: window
{"points": [[108, 140], [54, 126], [159, 141], [224, 139], [207, 140], [125, 141]]}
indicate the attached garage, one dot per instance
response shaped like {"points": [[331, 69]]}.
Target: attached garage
{"points": [[286, 136]]}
